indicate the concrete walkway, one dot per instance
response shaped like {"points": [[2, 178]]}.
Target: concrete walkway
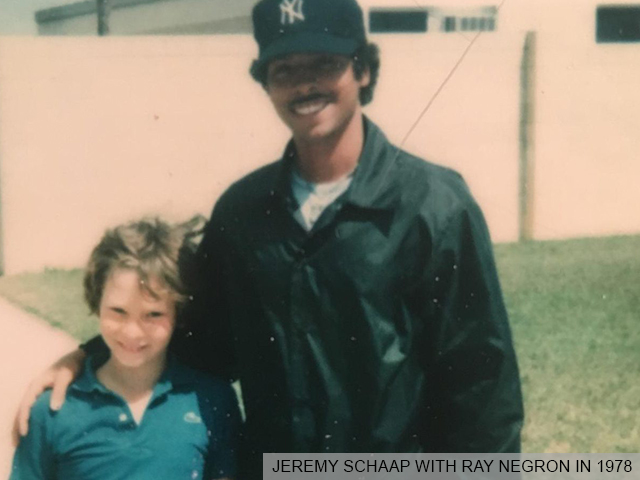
{"points": [[27, 346]]}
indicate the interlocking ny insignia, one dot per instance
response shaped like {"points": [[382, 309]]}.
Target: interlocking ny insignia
{"points": [[291, 11]]}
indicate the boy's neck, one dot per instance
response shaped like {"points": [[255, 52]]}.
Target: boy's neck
{"points": [[132, 384], [331, 158]]}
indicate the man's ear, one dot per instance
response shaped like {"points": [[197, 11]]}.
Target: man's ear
{"points": [[365, 77]]}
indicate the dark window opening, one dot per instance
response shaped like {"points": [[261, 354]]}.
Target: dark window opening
{"points": [[387, 21], [618, 24], [449, 24]]}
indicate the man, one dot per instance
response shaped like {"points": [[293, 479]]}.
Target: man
{"points": [[350, 286]]}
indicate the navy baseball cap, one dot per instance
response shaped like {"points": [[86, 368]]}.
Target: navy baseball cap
{"points": [[282, 27]]}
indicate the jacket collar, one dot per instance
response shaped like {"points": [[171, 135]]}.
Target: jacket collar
{"points": [[372, 179]]}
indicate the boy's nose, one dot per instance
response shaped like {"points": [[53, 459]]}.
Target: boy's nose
{"points": [[133, 329]]}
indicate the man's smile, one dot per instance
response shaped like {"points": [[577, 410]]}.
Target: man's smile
{"points": [[310, 104]]}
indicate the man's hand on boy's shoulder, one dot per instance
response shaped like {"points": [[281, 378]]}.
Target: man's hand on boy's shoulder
{"points": [[58, 377]]}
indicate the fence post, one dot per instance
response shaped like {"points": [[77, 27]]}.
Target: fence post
{"points": [[104, 9], [527, 138]]}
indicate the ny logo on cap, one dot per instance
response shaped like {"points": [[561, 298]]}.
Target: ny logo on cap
{"points": [[291, 10]]}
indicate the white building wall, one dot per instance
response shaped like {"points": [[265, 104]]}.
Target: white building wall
{"points": [[96, 132], [587, 145], [471, 126]]}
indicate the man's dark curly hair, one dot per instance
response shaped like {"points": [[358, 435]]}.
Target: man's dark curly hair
{"points": [[365, 57]]}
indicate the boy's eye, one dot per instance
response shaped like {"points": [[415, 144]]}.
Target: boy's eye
{"points": [[118, 310], [155, 314]]}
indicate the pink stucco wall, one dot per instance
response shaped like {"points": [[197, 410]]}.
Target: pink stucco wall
{"points": [[97, 131]]}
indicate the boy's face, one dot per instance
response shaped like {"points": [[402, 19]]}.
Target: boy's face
{"points": [[136, 326], [315, 94]]}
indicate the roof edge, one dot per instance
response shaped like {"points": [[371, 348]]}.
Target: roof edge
{"points": [[80, 9]]}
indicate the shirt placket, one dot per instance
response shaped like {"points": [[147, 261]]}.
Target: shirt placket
{"points": [[304, 423], [125, 424], [302, 414]]}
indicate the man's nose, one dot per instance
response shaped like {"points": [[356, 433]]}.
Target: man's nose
{"points": [[304, 88], [305, 76]]}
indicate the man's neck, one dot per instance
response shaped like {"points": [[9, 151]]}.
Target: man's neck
{"points": [[333, 157]]}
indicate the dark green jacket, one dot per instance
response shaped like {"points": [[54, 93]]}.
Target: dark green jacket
{"points": [[381, 330]]}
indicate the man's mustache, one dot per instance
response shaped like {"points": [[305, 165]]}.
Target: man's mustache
{"points": [[312, 97]]}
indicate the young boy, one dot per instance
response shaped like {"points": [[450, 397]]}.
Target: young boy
{"points": [[136, 413]]}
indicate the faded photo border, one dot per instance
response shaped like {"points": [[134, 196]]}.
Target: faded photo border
{"points": [[539, 113]]}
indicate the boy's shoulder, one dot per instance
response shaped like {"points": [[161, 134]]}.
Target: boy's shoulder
{"points": [[40, 410], [66, 417]]}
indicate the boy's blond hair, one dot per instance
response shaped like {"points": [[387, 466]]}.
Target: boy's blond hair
{"points": [[154, 249]]}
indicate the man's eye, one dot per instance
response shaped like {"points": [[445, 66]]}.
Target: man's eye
{"points": [[329, 65], [281, 72], [119, 311], [155, 314]]}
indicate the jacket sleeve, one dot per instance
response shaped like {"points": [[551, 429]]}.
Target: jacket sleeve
{"points": [[203, 339], [34, 457], [475, 402], [221, 460]]}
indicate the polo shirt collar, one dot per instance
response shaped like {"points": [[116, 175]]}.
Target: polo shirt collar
{"points": [[87, 381], [174, 375], [369, 188]]}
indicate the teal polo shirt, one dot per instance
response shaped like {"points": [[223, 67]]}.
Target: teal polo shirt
{"points": [[189, 431]]}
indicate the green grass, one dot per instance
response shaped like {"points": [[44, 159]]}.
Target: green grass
{"points": [[574, 308], [54, 295]]}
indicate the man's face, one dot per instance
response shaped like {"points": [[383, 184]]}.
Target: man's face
{"points": [[316, 95]]}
